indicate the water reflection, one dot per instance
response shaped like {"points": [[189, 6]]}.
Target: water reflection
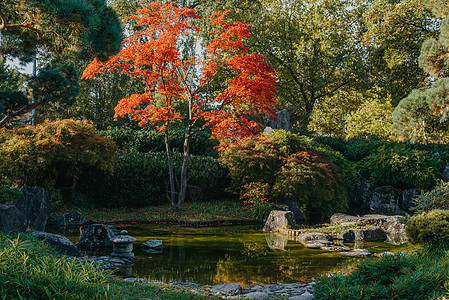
{"points": [[233, 254]]}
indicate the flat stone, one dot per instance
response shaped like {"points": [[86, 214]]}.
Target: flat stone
{"points": [[356, 254], [135, 280], [339, 218], [257, 295], [186, 284], [305, 296], [387, 254], [314, 236], [228, 288], [153, 244]]}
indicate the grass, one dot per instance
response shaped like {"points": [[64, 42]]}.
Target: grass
{"points": [[30, 270], [192, 212]]}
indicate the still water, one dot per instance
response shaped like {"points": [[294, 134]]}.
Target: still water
{"points": [[242, 254]]}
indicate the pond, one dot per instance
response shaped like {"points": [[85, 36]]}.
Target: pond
{"points": [[242, 254]]}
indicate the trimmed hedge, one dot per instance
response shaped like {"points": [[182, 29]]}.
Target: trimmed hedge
{"points": [[152, 140], [142, 179]]}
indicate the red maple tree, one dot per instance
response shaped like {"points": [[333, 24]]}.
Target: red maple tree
{"points": [[174, 72]]}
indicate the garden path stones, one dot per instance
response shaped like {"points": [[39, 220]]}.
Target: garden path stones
{"points": [[228, 288], [257, 295]]}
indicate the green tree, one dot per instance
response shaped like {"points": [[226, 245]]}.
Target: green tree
{"points": [[59, 31], [423, 115], [394, 33], [313, 46]]}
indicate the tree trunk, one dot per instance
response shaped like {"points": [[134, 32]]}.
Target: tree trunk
{"points": [[170, 172], [185, 161]]}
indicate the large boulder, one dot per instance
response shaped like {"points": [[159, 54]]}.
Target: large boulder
{"points": [[278, 220], [373, 234], [408, 199], [339, 218], [293, 206], [12, 220], [61, 244], [35, 205], [385, 201], [74, 219], [282, 121], [308, 237], [96, 236]]}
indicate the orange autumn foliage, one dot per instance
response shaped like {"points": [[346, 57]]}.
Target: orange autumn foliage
{"points": [[174, 71], [153, 55]]}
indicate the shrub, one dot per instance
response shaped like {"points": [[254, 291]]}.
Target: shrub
{"points": [[438, 198], [28, 270], [400, 167], [8, 195], [412, 276], [293, 166], [53, 155], [430, 227], [146, 140], [141, 179]]}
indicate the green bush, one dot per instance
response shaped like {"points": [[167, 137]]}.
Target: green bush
{"points": [[400, 167], [430, 227], [438, 198], [28, 270], [53, 155], [412, 276], [141, 179], [293, 166], [8, 195], [146, 140]]}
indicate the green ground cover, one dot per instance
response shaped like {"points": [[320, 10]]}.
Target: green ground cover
{"points": [[192, 212], [30, 270]]}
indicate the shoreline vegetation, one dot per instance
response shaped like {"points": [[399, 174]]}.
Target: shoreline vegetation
{"points": [[194, 214]]}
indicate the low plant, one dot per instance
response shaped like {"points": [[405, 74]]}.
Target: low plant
{"points": [[400, 167], [430, 227], [438, 198], [408, 276], [8, 195], [292, 166], [29, 271]]}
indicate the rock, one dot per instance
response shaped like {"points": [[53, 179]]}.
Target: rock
{"points": [[61, 244], [153, 244], [408, 198], [257, 295], [305, 296], [279, 219], [186, 284], [313, 236], [282, 121], [362, 195], [96, 236], [387, 254], [276, 241], [396, 232], [293, 206], [132, 279], [445, 175], [318, 244], [385, 201], [228, 288], [366, 235], [339, 218], [12, 220], [74, 219], [356, 254], [35, 205]]}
